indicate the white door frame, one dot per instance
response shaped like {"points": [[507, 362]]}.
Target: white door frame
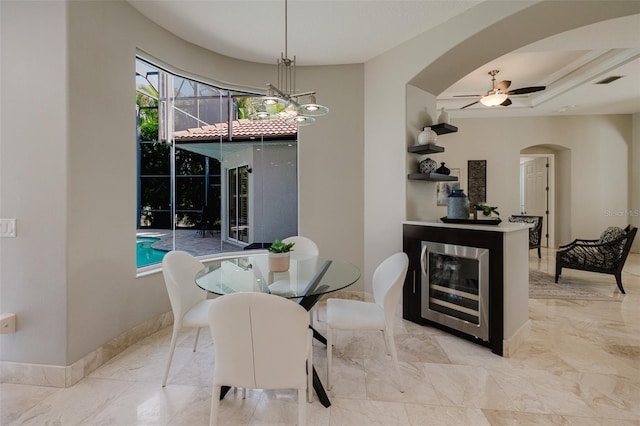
{"points": [[548, 227]]}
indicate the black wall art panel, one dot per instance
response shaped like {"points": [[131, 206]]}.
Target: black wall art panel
{"points": [[477, 181]]}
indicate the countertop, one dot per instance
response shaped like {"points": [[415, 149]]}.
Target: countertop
{"points": [[502, 227]]}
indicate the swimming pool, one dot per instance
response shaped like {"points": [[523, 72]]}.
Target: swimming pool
{"points": [[145, 254]]}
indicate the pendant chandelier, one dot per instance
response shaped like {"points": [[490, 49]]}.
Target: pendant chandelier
{"points": [[282, 100]]}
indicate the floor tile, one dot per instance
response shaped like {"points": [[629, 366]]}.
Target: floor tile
{"points": [[580, 365]]}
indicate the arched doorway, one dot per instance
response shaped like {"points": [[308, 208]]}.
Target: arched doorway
{"points": [[545, 190]]}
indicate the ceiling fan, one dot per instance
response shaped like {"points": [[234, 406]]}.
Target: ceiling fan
{"points": [[499, 95]]}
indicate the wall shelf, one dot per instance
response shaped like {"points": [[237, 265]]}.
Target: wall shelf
{"points": [[442, 128], [434, 177], [425, 149]]}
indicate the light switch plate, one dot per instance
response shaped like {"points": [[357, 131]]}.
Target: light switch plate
{"points": [[7, 228]]}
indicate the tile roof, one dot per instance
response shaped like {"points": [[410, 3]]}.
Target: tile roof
{"points": [[242, 129]]}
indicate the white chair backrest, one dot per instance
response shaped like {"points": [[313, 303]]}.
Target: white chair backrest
{"points": [[179, 269], [261, 341], [303, 245], [387, 282]]}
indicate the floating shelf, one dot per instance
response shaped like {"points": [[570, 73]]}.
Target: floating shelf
{"points": [[436, 177], [425, 149], [442, 128]]}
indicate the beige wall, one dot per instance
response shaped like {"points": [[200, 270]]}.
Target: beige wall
{"points": [[591, 176], [432, 62], [634, 177], [69, 167], [67, 157], [33, 179]]}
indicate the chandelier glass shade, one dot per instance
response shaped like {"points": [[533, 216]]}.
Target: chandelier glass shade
{"points": [[494, 99], [283, 101]]}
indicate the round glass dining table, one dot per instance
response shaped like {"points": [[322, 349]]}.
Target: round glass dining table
{"points": [[306, 280], [308, 277]]}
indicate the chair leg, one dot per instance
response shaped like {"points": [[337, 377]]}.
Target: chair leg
{"points": [[539, 255], [310, 369], [386, 342], [195, 344], [619, 281], [172, 347], [558, 271], [302, 407], [329, 355], [215, 404], [394, 355]]}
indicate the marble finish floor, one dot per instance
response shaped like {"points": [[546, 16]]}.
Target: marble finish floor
{"points": [[579, 366]]}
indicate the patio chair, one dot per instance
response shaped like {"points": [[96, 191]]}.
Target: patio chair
{"points": [[605, 255], [535, 233], [208, 221]]}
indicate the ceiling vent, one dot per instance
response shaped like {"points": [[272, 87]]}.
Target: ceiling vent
{"points": [[608, 80]]}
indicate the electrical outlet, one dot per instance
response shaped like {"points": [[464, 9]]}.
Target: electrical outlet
{"points": [[7, 228]]}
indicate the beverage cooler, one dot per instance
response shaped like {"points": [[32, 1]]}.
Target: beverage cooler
{"points": [[455, 282]]}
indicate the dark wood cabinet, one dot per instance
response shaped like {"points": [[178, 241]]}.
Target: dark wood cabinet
{"points": [[414, 235]]}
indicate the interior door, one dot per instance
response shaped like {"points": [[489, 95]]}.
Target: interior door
{"points": [[535, 189]]}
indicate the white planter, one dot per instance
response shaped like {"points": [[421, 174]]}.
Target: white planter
{"points": [[279, 262]]}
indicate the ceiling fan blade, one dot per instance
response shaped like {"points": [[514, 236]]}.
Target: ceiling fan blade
{"points": [[524, 90], [472, 103], [504, 84], [467, 96], [507, 102]]}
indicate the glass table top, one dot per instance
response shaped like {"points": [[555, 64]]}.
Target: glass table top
{"points": [[307, 275]]}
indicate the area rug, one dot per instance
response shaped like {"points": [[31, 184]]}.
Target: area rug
{"points": [[541, 286]]}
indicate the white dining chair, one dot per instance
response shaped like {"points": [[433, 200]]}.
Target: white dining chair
{"points": [[262, 341], [189, 303], [343, 314], [305, 246]]}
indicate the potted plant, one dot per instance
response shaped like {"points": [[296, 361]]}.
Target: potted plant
{"points": [[279, 255], [487, 210]]}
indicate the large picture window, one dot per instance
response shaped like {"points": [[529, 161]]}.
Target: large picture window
{"points": [[209, 180]]}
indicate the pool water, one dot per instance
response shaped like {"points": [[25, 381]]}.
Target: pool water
{"points": [[145, 254]]}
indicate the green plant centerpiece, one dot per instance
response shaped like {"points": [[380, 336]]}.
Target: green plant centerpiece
{"points": [[279, 256], [280, 247], [486, 210]]}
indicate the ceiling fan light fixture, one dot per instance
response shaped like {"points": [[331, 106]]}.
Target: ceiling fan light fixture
{"points": [[494, 99]]}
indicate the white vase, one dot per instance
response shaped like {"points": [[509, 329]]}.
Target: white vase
{"points": [[444, 116], [427, 136]]}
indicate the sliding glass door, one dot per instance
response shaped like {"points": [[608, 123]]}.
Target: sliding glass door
{"points": [[238, 203]]}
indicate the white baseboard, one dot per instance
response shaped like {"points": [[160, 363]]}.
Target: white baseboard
{"points": [[509, 346], [66, 376]]}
